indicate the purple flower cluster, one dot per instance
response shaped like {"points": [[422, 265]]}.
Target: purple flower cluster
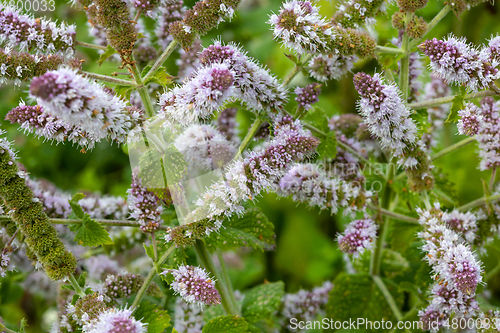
{"points": [[83, 104], [456, 61], [170, 13], [308, 95], [358, 237], [255, 86], [331, 66], [203, 94], [310, 184], [5, 264], [457, 270], [488, 135], [115, 321], [35, 35], [305, 305], [261, 170], [194, 285], [471, 120], [145, 206], [226, 124], [388, 118]]}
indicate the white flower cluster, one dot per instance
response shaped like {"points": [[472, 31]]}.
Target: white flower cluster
{"points": [[115, 321], [325, 67]]}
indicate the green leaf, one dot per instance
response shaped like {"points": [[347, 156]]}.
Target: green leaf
{"points": [[262, 301], [90, 233], [123, 91], [82, 278], [75, 206], [156, 318], [402, 235], [457, 104], [226, 324], [160, 77], [318, 118], [409, 287], [357, 296], [146, 70], [212, 312], [328, 146], [253, 229], [24, 324], [389, 60], [108, 53]]}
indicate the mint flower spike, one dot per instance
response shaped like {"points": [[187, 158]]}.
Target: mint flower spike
{"points": [[256, 87], [388, 118], [28, 214], [357, 13], [170, 13], [38, 35], [487, 136], [471, 120], [306, 305], [327, 67], [457, 62], [115, 321], [358, 237], [194, 285], [79, 102], [201, 96], [308, 95]]}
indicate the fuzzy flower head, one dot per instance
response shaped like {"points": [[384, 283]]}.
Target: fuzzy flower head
{"points": [[115, 321], [356, 13], [488, 136], [300, 27], [170, 13], [308, 95], [471, 120], [194, 285], [205, 93], [455, 61], [330, 67], [358, 237]]}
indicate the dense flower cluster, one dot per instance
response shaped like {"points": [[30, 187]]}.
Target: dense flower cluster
{"points": [[115, 321], [471, 120], [330, 67], [358, 236], [203, 94], [226, 123], [456, 61], [488, 135], [457, 270], [256, 87], [188, 318], [355, 13], [188, 61], [84, 104], [305, 305], [36, 35], [308, 95], [124, 285], [194, 285], [170, 13], [5, 264]]}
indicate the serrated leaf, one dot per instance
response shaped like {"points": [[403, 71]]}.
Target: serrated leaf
{"points": [[75, 298], [253, 229], [328, 146], [123, 91], [90, 233], [262, 301], [156, 318], [226, 324], [457, 104], [75, 206], [146, 70], [160, 77], [357, 296], [108, 53]]}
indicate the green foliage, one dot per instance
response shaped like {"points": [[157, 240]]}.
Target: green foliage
{"points": [[252, 229], [156, 318], [262, 301], [160, 77], [108, 53], [228, 324], [89, 232], [457, 105], [318, 118], [328, 146], [357, 296]]}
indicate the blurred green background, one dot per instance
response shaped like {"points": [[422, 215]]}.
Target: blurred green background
{"points": [[306, 252]]}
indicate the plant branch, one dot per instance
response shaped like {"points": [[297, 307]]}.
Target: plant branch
{"points": [[389, 299], [6, 246], [150, 277], [164, 56], [207, 262], [143, 90], [109, 79], [76, 286], [246, 140], [395, 216], [452, 148], [431, 25], [391, 50], [225, 275], [296, 70], [479, 202], [444, 100], [404, 78], [155, 246], [91, 46], [117, 223]]}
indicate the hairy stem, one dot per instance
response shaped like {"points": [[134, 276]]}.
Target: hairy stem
{"points": [[76, 286], [479, 202], [391, 50], [452, 148], [91, 46], [251, 133], [143, 90], [155, 246], [449, 99], [404, 78], [109, 79], [296, 70], [393, 215], [150, 276], [431, 25], [164, 56], [225, 274], [207, 262]]}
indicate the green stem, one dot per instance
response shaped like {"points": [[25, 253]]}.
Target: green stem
{"points": [[143, 91], [4, 329], [91, 46], [155, 246], [431, 25], [479, 202], [404, 78], [110, 79], [296, 70], [389, 299], [449, 99], [452, 148], [393, 215], [207, 262], [251, 133], [227, 280], [391, 50], [76, 286], [150, 276], [117, 223], [159, 62]]}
